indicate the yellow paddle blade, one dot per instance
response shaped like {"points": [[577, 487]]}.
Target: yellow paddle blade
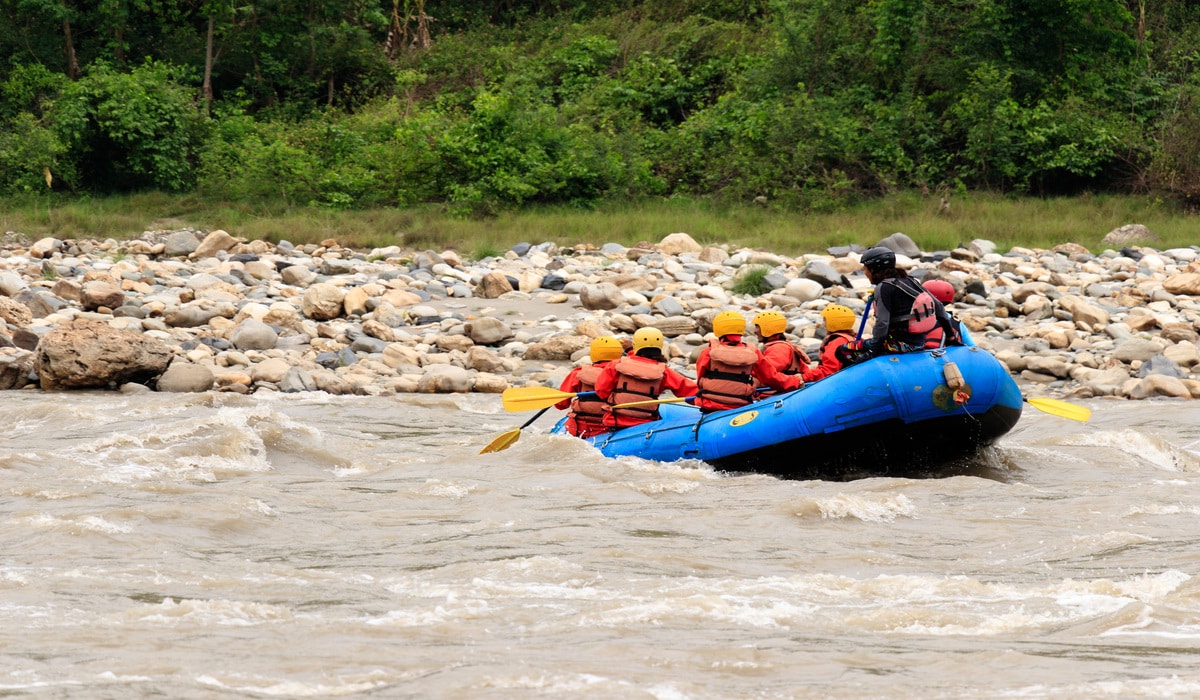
{"points": [[527, 398], [677, 399], [1061, 409], [502, 441]]}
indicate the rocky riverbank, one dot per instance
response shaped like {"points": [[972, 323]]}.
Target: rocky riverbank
{"points": [[205, 311]]}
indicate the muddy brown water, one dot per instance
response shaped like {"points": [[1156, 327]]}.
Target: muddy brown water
{"points": [[312, 546]]}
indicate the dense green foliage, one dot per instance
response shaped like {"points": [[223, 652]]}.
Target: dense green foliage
{"points": [[487, 105]]}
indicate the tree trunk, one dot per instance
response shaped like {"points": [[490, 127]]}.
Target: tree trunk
{"points": [[208, 66], [72, 61]]}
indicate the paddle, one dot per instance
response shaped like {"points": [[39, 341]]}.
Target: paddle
{"points": [[677, 399], [1061, 409], [527, 398], [505, 440], [863, 323]]}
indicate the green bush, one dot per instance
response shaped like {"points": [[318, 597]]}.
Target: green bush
{"points": [[29, 153], [511, 152], [129, 131]]}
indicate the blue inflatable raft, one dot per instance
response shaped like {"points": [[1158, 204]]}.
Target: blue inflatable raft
{"points": [[895, 415]]}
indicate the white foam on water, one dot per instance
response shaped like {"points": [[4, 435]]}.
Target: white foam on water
{"points": [[1162, 509], [1151, 587], [1144, 447], [897, 604], [1106, 540], [14, 575], [258, 506], [689, 470], [554, 684], [210, 612], [110, 676], [749, 611], [293, 688], [867, 507], [656, 488], [1165, 687], [193, 448], [451, 611], [669, 691], [536, 576], [97, 524], [657, 478], [90, 523], [548, 683], [437, 488], [28, 685], [1028, 454]]}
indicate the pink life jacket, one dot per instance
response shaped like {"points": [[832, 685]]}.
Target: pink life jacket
{"points": [[923, 317]]}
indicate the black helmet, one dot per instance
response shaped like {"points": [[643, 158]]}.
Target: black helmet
{"points": [[878, 258]]}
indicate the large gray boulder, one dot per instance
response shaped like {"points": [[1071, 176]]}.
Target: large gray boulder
{"points": [[488, 331], [252, 334], [600, 297], [180, 244]]}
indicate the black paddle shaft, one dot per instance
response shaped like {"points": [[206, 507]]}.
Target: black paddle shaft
{"points": [[535, 417]]}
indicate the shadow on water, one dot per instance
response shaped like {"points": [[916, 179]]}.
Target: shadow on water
{"points": [[989, 462]]}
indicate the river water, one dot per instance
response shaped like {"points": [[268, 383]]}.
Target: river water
{"points": [[197, 546]]}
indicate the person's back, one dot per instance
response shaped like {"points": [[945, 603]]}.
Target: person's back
{"points": [[785, 356], [901, 301], [586, 417], [839, 330], [904, 311], [728, 371], [639, 377]]}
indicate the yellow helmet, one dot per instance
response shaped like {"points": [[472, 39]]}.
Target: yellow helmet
{"points": [[605, 348], [770, 323], [837, 318], [647, 338], [729, 323]]}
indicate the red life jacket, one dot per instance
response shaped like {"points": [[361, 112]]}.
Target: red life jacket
{"points": [[934, 339], [729, 379], [799, 359], [829, 360], [588, 412], [637, 380], [843, 336]]}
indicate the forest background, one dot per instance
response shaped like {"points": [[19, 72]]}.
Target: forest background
{"points": [[426, 120]]}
